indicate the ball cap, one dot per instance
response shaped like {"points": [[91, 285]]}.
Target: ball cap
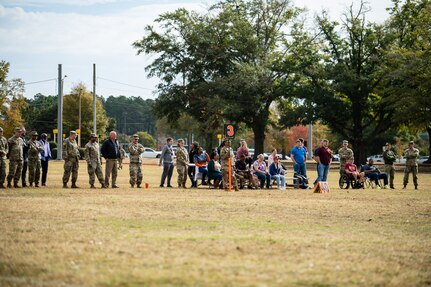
{"points": [[18, 129], [72, 132], [135, 136], [34, 133], [411, 142], [180, 140], [93, 135], [345, 141]]}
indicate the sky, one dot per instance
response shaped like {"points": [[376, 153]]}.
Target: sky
{"points": [[37, 35]]}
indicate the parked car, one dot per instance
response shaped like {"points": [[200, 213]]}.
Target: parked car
{"points": [[423, 159], [376, 158], [401, 160], [150, 153], [336, 157]]}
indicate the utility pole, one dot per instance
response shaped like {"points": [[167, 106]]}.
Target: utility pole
{"points": [[80, 131], [94, 100], [310, 141], [60, 114]]}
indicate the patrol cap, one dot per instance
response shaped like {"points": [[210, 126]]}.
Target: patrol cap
{"points": [[135, 136], [18, 130], [411, 142], [180, 140], [34, 133], [72, 133], [93, 135], [345, 141]]}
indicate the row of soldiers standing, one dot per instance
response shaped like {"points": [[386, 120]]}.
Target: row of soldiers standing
{"points": [[13, 148]]}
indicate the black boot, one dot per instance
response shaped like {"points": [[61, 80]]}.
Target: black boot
{"points": [[65, 185]]}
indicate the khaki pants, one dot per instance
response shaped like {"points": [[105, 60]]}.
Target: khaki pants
{"points": [[111, 166]]}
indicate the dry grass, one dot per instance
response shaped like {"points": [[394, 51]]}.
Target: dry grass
{"points": [[154, 237]]}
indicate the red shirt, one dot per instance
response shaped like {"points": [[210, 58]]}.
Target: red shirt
{"points": [[350, 167], [324, 155]]}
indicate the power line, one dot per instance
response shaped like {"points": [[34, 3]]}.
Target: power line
{"points": [[138, 87], [31, 83]]}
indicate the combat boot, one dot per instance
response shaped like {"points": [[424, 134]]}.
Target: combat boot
{"points": [[404, 187], [74, 185], [138, 185], [184, 186], [416, 187], [65, 185], [36, 185], [31, 184], [9, 185], [92, 186], [15, 185], [132, 185]]}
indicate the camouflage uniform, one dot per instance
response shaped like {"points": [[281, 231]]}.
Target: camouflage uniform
{"points": [[345, 154], [135, 150], [71, 160], [182, 165], [94, 165], [122, 157], [411, 156], [34, 164], [225, 153], [389, 158], [4, 149], [15, 159]]}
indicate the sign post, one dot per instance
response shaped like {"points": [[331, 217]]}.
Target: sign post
{"points": [[229, 132]]}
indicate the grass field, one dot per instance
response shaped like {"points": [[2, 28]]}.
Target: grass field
{"points": [[172, 237]]}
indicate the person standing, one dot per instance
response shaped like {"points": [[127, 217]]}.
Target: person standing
{"points": [[167, 161], [226, 152], [411, 154], [182, 157], [389, 158], [94, 164], [25, 149], [299, 156], [191, 169], [111, 153], [34, 165], [135, 150], [345, 153], [45, 156], [71, 160], [323, 157], [4, 149], [15, 158]]}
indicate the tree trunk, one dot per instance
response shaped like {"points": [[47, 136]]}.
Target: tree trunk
{"points": [[259, 138], [359, 151], [429, 144]]}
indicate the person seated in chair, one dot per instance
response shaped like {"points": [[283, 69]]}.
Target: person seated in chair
{"points": [[201, 159], [214, 169], [352, 171], [243, 171], [261, 171], [373, 173], [277, 172]]}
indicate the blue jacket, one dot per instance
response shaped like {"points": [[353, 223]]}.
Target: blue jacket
{"points": [[273, 170]]}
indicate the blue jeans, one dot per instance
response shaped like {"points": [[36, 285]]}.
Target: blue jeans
{"points": [[264, 177], [322, 172], [281, 183], [300, 168]]}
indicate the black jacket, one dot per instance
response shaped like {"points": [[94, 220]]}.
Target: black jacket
{"points": [[110, 149]]}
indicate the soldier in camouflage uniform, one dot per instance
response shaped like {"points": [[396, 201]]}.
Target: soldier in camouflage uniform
{"points": [[226, 152], [182, 163], [34, 165], [15, 158], [71, 160], [122, 157], [345, 153], [135, 150], [389, 158], [94, 164], [411, 154], [4, 149]]}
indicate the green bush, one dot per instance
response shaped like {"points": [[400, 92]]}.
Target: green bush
{"points": [[54, 153]]}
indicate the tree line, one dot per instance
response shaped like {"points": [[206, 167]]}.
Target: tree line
{"points": [[239, 60]]}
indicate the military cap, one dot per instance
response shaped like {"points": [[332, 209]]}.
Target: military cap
{"points": [[72, 132], [34, 133], [44, 135], [180, 140], [18, 129], [1, 129], [345, 141], [411, 142], [93, 135]]}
